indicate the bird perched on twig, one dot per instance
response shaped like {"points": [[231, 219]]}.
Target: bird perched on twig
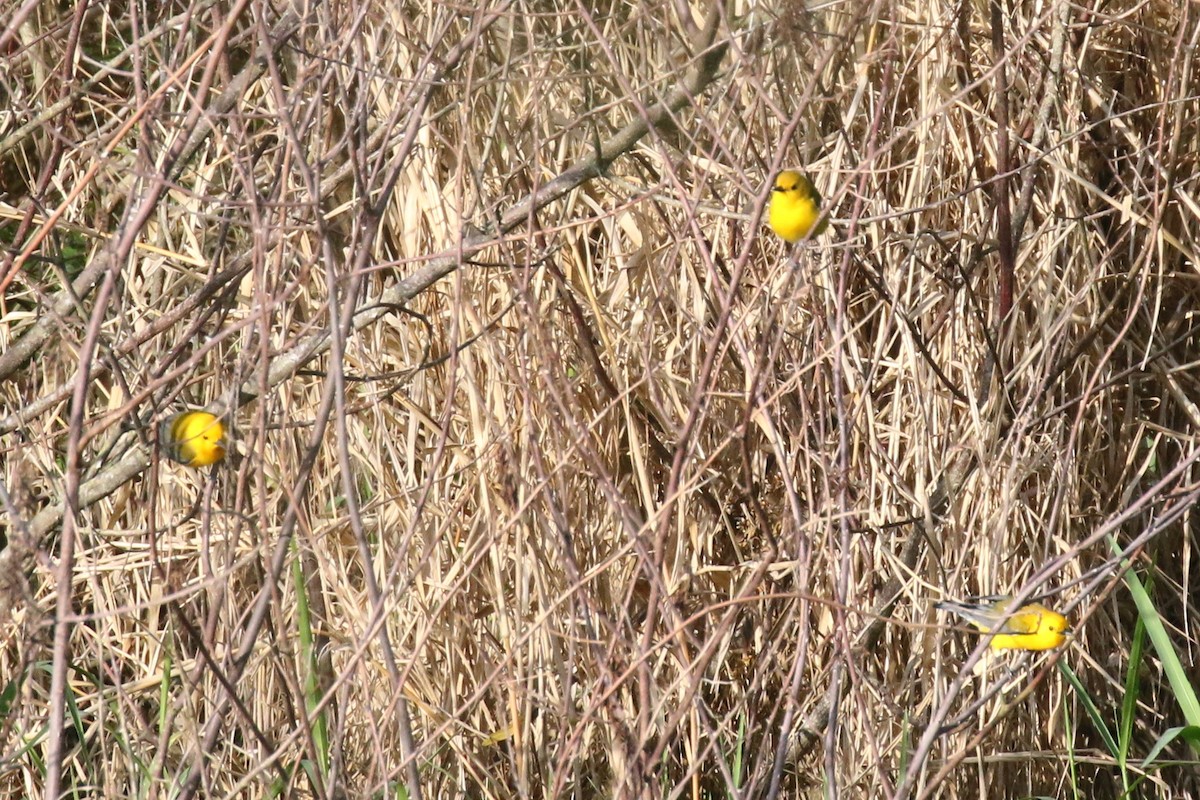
{"points": [[795, 207], [1030, 627]]}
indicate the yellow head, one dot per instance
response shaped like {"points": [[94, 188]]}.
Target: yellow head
{"points": [[795, 207], [194, 438]]}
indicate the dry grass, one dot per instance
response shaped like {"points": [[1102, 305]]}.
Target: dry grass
{"points": [[565, 464]]}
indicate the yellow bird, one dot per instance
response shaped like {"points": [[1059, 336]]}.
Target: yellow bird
{"points": [[194, 438], [795, 207], [1030, 627]]}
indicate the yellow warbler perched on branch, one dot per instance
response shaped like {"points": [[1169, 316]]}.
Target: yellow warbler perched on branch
{"points": [[1030, 627], [194, 438], [795, 207]]}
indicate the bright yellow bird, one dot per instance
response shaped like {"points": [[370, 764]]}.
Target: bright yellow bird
{"points": [[194, 438], [795, 207], [1030, 627]]}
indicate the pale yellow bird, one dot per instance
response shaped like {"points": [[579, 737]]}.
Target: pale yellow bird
{"points": [[194, 438], [1030, 627], [795, 207]]}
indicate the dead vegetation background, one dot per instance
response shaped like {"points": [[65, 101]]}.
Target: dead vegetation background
{"points": [[555, 474]]}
